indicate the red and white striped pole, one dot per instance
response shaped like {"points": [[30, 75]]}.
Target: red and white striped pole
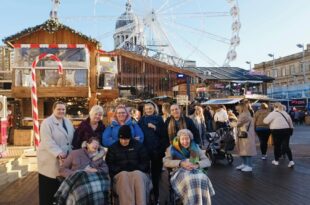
{"points": [[34, 97]]}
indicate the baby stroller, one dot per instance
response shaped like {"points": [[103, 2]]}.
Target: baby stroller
{"points": [[220, 144]]}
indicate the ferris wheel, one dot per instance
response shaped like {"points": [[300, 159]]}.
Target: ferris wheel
{"points": [[205, 31]]}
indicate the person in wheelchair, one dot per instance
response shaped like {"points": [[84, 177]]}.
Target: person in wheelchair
{"points": [[188, 177], [129, 165], [85, 176]]}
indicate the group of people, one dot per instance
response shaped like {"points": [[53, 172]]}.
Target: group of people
{"points": [[136, 154], [127, 157]]}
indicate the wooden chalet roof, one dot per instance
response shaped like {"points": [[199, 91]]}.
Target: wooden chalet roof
{"points": [[155, 62], [49, 26], [229, 74]]}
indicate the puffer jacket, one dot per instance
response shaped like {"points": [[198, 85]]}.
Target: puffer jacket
{"points": [[127, 158]]}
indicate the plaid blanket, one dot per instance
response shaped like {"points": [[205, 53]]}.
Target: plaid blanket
{"points": [[193, 187], [84, 188]]}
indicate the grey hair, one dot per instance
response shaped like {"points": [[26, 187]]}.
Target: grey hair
{"points": [[95, 109], [185, 132]]}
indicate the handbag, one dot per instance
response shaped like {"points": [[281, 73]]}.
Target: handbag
{"points": [[244, 134], [290, 128]]}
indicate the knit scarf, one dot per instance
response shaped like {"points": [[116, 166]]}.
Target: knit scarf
{"points": [[181, 153]]}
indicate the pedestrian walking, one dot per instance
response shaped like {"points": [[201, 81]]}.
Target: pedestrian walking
{"points": [[281, 127]]}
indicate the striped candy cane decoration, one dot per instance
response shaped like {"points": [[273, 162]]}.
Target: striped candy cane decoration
{"points": [[34, 97]]}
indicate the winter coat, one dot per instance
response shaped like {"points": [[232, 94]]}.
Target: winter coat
{"points": [[189, 125], [130, 158], [155, 141], [79, 160], [202, 129], [246, 146], [54, 140], [110, 134], [85, 131], [259, 117], [169, 162], [277, 121]]}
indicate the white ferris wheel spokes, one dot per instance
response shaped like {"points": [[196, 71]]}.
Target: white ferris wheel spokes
{"points": [[206, 31]]}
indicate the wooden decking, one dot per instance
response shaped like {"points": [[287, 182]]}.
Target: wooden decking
{"points": [[267, 185], [22, 192]]}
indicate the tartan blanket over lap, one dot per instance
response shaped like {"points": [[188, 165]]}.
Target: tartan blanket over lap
{"points": [[193, 187], [84, 189]]}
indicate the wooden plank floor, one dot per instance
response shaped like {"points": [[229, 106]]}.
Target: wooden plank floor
{"points": [[267, 185], [23, 191]]}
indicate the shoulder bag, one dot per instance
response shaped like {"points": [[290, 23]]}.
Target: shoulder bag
{"points": [[244, 134]]}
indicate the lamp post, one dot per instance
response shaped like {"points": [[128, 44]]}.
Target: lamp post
{"points": [[303, 60], [273, 71], [250, 64]]}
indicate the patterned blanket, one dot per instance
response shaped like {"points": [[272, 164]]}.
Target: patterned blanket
{"points": [[84, 188], [193, 187]]}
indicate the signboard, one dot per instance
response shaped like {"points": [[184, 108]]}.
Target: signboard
{"points": [[298, 102], [182, 99], [180, 75]]}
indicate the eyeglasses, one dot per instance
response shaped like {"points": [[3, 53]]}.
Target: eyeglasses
{"points": [[121, 113]]}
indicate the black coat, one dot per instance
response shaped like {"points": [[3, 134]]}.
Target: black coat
{"points": [[156, 140], [130, 158], [189, 125]]}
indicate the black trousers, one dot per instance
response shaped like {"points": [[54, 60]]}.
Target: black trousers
{"points": [[47, 188], [263, 136], [281, 140], [156, 169]]}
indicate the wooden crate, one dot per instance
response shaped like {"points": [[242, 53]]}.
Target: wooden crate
{"points": [[23, 137]]}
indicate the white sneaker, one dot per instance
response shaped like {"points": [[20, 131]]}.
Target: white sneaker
{"points": [[291, 164], [274, 162], [247, 169], [241, 166], [264, 157]]}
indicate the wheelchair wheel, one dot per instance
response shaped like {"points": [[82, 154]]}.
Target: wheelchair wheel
{"points": [[230, 158], [211, 157]]}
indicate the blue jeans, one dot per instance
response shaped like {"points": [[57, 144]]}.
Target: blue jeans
{"points": [[247, 160]]}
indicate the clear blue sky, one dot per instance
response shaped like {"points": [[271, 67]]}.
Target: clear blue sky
{"points": [[268, 26]]}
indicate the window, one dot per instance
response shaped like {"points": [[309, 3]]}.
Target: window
{"points": [[107, 72], [75, 62], [292, 69], [274, 73], [283, 71]]}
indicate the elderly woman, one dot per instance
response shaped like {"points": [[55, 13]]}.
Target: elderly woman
{"points": [[121, 117], [199, 121], [129, 166], [56, 134], [155, 141], [281, 127], [178, 121], [245, 140], [87, 180], [92, 126], [187, 160]]}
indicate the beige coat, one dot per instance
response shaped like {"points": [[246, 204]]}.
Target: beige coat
{"points": [[54, 140], [246, 146], [175, 163]]}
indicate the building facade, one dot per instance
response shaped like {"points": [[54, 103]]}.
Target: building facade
{"points": [[291, 74]]}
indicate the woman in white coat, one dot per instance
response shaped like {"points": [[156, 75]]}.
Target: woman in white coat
{"points": [[56, 134]]}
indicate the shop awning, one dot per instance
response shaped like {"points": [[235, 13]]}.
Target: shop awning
{"points": [[227, 101]]}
